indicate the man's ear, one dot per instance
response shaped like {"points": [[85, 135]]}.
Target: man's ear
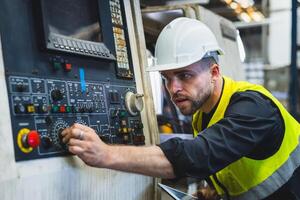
{"points": [[215, 71]]}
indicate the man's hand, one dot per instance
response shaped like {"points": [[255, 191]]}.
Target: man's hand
{"points": [[86, 144], [207, 193]]}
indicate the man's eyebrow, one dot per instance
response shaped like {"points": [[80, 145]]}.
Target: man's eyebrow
{"points": [[178, 72], [184, 71]]}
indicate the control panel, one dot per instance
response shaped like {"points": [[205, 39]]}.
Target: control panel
{"points": [[48, 106], [68, 68]]}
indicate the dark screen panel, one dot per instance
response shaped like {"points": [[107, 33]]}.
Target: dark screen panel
{"points": [[74, 18]]}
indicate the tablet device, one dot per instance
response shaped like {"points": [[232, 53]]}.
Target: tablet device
{"points": [[176, 194]]}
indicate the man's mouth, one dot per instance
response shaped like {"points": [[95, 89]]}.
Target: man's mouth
{"points": [[179, 101]]}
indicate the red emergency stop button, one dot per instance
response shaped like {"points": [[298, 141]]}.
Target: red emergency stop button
{"points": [[33, 139], [28, 140]]}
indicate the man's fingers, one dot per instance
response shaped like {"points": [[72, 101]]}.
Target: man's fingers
{"points": [[65, 131], [82, 127], [76, 142], [72, 133], [77, 150]]}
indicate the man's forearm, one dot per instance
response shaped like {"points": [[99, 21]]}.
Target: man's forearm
{"points": [[149, 161]]}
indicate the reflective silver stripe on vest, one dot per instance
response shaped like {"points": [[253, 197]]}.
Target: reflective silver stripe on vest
{"points": [[275, 181]]}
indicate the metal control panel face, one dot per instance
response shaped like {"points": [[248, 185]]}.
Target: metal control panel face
{"points": [[55, 82], [49, 106]]}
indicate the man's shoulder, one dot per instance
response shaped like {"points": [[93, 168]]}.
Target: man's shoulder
{"points": [[251, 103]]}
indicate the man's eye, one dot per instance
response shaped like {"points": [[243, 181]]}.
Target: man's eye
{"points": [[184, 76]]}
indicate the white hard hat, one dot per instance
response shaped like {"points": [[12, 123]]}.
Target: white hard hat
{"points": [[183, 42]]}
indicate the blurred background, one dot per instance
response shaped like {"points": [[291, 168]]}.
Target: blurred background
{"points": [[267, 43]]}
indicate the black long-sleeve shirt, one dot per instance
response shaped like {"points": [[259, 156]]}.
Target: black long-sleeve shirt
{"points": [[252, 127]]}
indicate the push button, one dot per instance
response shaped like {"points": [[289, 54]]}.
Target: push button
{"points": [[33, 139], [68, 67], [68, 109], [122, 113], [55, 109], [28, 139], [30, 108], [56, 65], [62, 109]]}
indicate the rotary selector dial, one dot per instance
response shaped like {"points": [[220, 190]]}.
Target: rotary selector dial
{"points": [[57, 95], [134, 103], [80, 121], [58, 127]]}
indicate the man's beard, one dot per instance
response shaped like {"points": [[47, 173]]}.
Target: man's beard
{"points": [[196, 103]]}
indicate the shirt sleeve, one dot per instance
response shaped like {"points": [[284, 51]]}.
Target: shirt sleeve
{"points": [[252, 127]]}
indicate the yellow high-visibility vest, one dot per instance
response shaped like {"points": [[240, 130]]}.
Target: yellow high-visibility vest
{"points": [[248, 178]]}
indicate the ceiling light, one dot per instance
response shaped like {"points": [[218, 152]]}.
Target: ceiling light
{"points": [[257, 16], [233, 5], [245, 17], [228, 1], [238, 10], [245, 3], [245, 10]]}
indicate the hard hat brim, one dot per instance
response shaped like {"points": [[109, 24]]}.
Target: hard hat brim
{"points": [[172, 66], [168, 67]]}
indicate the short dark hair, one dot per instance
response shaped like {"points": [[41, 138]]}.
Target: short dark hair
{"points": [[207, 62]]}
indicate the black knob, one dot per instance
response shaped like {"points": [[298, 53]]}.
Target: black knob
{"points": [[56, 95], [19, 109], [42, 108], [62, 144], [46, 142], [48, 120]]}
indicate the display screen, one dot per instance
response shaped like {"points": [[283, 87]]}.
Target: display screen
{"points": [[73, 18]]}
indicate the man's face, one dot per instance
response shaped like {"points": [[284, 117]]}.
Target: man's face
{"points": [[189, 87]]}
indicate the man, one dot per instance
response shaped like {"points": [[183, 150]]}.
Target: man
{"points": [[246, 142]]}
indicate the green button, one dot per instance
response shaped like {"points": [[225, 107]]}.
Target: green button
{"points": [[122, 113], [55, 109], [68, 109], [56, 65]]}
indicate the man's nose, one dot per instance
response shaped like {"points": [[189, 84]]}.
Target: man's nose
{"points": [[175, 86]]}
